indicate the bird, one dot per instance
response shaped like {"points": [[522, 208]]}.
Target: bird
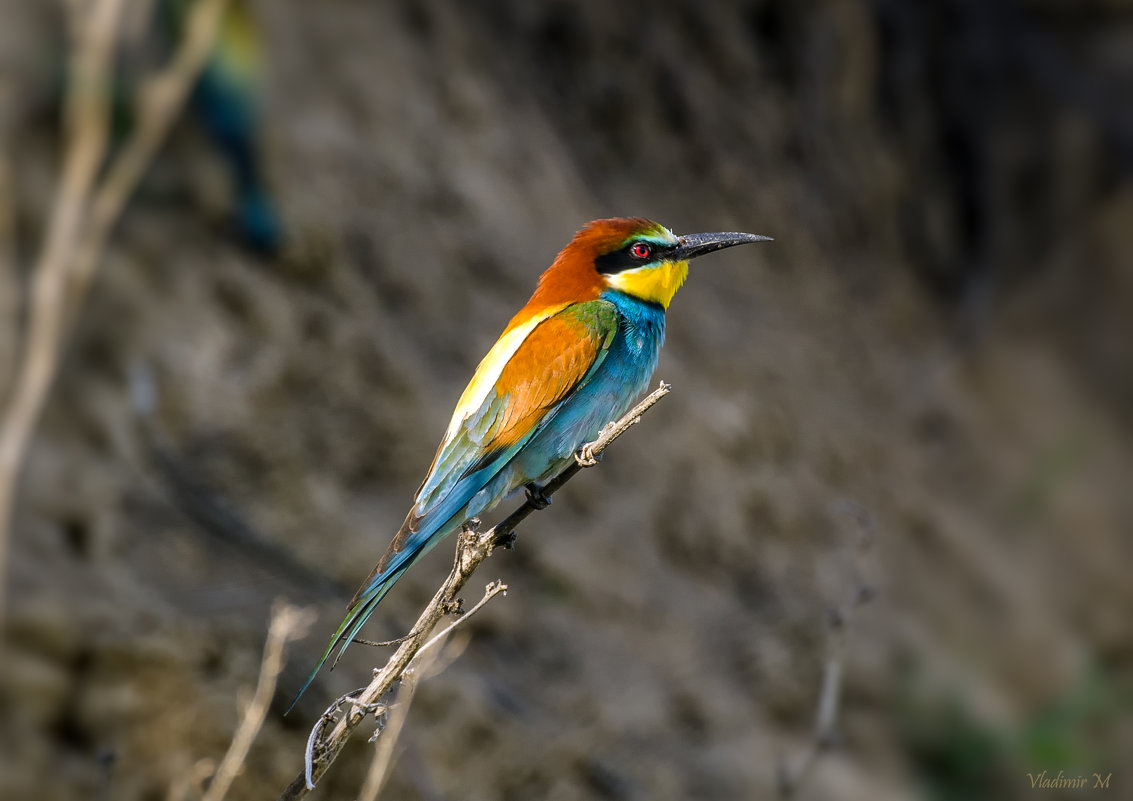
{"points": [[227, 100], [574, 358]]}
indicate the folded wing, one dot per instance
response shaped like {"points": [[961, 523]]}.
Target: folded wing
{"points": [[496, 418]]}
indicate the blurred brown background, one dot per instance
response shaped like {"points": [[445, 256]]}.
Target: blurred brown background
{"points": [[934, 352]]}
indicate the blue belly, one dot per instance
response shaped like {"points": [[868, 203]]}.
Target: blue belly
{"points": [[608, 394]]}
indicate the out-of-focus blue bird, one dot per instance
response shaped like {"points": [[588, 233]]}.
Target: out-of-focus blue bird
{"points": [[227, 100], [573, 359]]}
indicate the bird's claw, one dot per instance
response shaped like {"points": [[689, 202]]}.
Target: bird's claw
{"points": [[587, 458], [536, 497]]}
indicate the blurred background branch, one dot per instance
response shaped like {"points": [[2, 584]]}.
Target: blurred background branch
{"points": [[9, 276], [288, 623], [87, 129], [840, 618], [85, 211]]}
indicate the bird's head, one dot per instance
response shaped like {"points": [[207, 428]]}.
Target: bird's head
{"points": [[633, 255]]}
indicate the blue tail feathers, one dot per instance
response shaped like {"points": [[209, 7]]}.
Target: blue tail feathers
{"points": [[475, 490], [371, 595], [357, 616]]}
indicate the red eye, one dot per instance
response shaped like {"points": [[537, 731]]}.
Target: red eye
{"points": [[641, 250]]}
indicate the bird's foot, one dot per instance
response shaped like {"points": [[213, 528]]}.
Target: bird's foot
{"points": [[586, 456], [536, 497]]}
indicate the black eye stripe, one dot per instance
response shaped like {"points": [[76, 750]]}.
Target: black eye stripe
{"points": [[623, 258]]}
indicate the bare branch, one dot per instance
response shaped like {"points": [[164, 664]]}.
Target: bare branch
{"points": [[473, 547], [377, 708], [383, 749], [9, 279], [85, 210], [329, 717], [493, 589], [420, 668], [824, 735], [287, 623], [190, 783], [86, 108], [589, 454]]}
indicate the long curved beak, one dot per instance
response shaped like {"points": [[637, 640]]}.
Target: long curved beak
{"points": [[690, 246]]}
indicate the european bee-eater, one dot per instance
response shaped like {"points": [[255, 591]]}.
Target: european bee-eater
{"points": [[572, 360], [228, 100]]}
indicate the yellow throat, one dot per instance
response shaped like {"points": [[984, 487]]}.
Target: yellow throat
{"points": [[656, 283]]}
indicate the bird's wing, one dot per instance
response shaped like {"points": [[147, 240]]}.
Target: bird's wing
{"points": [[514, 390], [518, 386]]}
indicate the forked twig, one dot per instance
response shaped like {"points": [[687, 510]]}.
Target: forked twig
{"points": [[493, 589], [421, 667], [473, 547]]}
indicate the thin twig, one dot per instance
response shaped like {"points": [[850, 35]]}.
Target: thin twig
{"points": [[382, 643], [9, 279], [86, 108], [351, 699], [473, 547], [588, 454], [825, 733], [189, 783], [419, 669], [383, 749], [493, 589], [287, 623], [85, 211], [329, 716]]}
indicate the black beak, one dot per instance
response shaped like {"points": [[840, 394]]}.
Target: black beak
{"points": [[692, 245]]}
